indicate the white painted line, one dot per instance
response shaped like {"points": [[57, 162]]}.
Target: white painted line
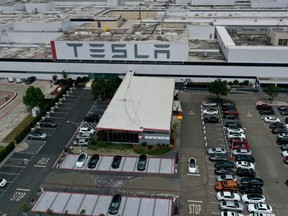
{"points": [[205, 137], [193, 174], [214, 203], [204, 132], [195, 201], [206, 144], [203, 127], [22, 189], [39, 165]]}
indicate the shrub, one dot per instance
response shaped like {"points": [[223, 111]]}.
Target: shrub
{"points": [[144, 144], [150, 146], [6, 151]]}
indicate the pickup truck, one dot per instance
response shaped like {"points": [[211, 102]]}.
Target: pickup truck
{"points": [[228, 185]]}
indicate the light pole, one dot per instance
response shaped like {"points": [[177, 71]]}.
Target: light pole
{"points": [[77, 126]]}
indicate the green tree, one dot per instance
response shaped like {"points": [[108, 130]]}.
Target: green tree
{"points": [[105, 87], [272, 91], [64, 75], [218, 87], [34, 97]]}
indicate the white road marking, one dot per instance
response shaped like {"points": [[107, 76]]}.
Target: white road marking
{"points": [[39, 165], [22, 189], [193, 174], [195, 201]]}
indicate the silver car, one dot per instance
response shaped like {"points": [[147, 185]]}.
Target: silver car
{"points": [[37, 135], [81, 142], [231, 206]]}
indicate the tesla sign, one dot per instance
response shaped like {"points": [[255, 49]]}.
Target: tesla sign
{"points": [[119, 51]]}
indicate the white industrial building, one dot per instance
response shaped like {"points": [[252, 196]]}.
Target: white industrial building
{"points": [[195, 40], [140, 111]]}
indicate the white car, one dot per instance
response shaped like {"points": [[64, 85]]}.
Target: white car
{"points": [[284, 153], [231, 206], [210, 111], [192, 165], [3, 182], [209, 104], [261, 214], [241, 152], [253, 198], [282, 135], [234, 130], [86, 130], [18, 80], [216, 150], [226, 177], [83, 135], [271, 119], [81, 142], [260, 208], [10, 79], [230, 213], [232, 135], [227, 195], [244, 165], [81, 160]]}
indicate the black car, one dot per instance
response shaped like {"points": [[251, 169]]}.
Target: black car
{"points": [[245, 172], [232, 124], [47, 123], [282, 140], [247, 189], [115, 204], [230, 116], [30, 80], [218, 157], [93, 161], [281, 108], [284, 112], [92, 118], [141, 165], [227, 164], [284, 147], [247, 158], [252, 181], [224, 170], [116, 162], [211, 119], [279, 130], [277, 125], [227, 104], [266, 112]]}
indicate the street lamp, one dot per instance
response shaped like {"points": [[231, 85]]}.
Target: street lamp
{"points": [[77, 126]]}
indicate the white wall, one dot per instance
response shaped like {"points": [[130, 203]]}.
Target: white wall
{"points": [[212, 2], [37, 27], [32, 37], [201, 32], [32, 7]]}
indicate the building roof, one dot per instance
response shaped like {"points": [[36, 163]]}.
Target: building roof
{"points": [[140, 103]]}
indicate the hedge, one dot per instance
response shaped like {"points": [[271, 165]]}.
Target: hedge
{"points": [[6, 151]]}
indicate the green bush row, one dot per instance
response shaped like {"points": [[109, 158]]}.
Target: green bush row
{"points": [[22, 134], [152, 151], [6, 151]]}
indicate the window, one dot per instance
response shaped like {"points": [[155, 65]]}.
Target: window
{"points": [[280, 42], [285, 42]]}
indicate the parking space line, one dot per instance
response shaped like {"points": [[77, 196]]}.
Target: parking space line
{"points": [[36, 165], [23, 189], [13, 166], [10, 173], [123, 164], [193, 174], [195, 201]]}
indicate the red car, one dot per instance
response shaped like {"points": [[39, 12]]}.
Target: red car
{"points": [[244, 141], [285, 159], [238, 145], [231, 111]]}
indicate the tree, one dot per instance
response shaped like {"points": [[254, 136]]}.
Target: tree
{"points": [[272, 91], [64, 75], [105, 87], [34, 97], [218, 87]]}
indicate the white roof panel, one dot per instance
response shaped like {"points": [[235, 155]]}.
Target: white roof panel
{"points": [[140, 103]]}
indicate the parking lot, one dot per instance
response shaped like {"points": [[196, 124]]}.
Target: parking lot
{"points": [[74, 203], [128, 164]]}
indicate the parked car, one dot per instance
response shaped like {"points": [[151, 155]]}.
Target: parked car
{"points": [[210, 111], [277, 125], [253, 198], [252, 181], [226, 177], [92, 118], [280, 108], [282, 135], [284, 147], [116, 162], [232, 124], [244, 165], [226, 185], [238, 139], [218, 157], [227, 104], [37, 135], [239, 145], [87, 130], [224, 170], [285, 160], [210, 119], [227, 196], [81, 160], [230, 213], [227, 164], [18, 80], [3, 182], [247, 158], [83, 136], [260, 208], [47, 123], [216, 150], [284, 153], [234, 130], [235, 135], [10, 79], [271, 119], [279, 130], [230, 116], [266, 112], [81, 142], [192, 165], [241, 152], [247, 189], [231, 206], [209, 104], [93, 161], [245, 172], [142, 161], [231, 111], [264, 107], [284, 112], [282, 140], [115, 204], [30, 80]]}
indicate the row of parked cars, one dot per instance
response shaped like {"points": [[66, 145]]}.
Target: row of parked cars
{"points": [[29, 80], [227, 184]]}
